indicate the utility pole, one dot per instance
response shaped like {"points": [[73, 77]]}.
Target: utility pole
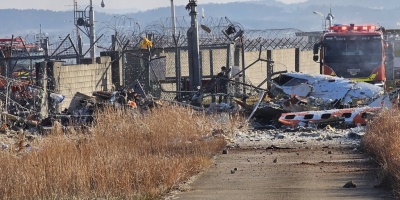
{"points": [[92, 33], [76, 17], [193, 46], [177, 51], [173, 18], [81, 19]]}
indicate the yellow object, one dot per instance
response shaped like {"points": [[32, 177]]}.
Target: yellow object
{"points": [[370, 78], [146, 43]]}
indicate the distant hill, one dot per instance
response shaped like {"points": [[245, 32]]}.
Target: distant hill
{"points": [[262, 14]]}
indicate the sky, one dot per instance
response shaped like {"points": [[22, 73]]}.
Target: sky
{"points": [[63, 5]]}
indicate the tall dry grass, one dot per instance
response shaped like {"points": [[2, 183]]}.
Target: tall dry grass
{"points": [[125, 156], [382, 141]]}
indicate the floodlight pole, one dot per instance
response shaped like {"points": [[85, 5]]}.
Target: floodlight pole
{"points": [[193, 47], [323, 20]]}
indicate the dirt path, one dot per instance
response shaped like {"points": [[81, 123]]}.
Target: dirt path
{"points": [[300, 173]]}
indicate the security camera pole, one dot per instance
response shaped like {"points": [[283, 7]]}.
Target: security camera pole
{"points": [[81, 20], [193, 46]]}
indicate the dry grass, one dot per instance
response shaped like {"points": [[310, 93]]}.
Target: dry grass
{"points": [[125, 156], [382, 140]]}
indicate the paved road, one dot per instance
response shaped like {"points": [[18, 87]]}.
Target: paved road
{"points": [[300, 173]]}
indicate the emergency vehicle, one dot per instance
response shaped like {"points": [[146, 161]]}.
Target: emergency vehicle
{"points": [[353, 51]]}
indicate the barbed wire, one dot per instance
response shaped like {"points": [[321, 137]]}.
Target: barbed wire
{"points": [[123, 28], [212, 31]]}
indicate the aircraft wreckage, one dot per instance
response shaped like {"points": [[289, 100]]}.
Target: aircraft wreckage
{"points": [[294, 99], [298, 99]]}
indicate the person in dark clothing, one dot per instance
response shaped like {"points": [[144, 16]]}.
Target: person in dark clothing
{"points": [[131, 94], [223, 77]]}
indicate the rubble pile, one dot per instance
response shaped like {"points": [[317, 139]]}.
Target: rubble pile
{"points": [[24, 110], [298, 137]]}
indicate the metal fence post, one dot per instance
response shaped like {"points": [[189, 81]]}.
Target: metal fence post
{"points": [[297, 60], [212, 75], [269, 68], [243, 69]]}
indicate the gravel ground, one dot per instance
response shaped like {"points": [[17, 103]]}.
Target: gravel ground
{"points": [[281, 164], [289, 164]]}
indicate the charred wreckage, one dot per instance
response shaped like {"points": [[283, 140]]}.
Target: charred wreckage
{"points": [[304, 100], [293, 100], [22, 105]]}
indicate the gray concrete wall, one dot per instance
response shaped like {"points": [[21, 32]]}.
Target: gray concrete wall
{"points": [[82, 78], [284, 60], [307, 65], [219, 60]]}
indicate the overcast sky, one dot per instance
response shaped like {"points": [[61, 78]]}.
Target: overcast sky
{"points": [[110, 4]]}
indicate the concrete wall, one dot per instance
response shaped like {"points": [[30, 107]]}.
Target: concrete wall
{"points": [[219, 59], [307, 65], [82, 78], [284, 60]]}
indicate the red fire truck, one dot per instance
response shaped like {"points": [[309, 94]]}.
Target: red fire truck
{"points": [[355, 52]]}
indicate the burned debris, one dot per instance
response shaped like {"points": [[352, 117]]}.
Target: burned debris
{"points": [[319, 100], [26, 107], [292, 100], [322, 92]]}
